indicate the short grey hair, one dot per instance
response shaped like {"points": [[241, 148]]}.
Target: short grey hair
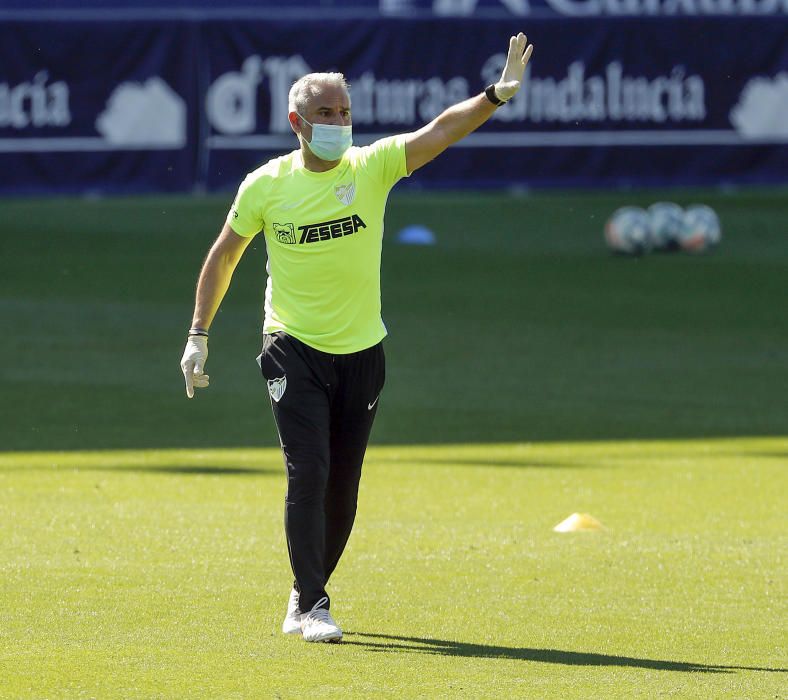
{"points": [[309, 85]]}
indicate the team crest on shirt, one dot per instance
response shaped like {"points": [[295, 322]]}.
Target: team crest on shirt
{"points": [[284, 233], [345, 193], [276, 387]]}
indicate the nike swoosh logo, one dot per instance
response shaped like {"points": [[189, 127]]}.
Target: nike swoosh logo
{"points": [[294, 205], [370, 406]]}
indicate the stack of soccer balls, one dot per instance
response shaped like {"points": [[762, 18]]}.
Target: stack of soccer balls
{"points": [[664, 226]]}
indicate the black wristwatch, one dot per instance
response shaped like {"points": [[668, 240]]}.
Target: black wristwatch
{"points": [[489, 92]]}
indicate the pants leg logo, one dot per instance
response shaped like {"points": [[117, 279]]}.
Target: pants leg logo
{"points": [[276, 387]]}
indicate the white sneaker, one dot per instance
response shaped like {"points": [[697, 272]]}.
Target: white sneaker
{"points": [[292, 623], [318, 626]]}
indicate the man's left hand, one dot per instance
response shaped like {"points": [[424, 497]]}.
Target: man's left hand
{"points": [[193, 363], [512, 77]]}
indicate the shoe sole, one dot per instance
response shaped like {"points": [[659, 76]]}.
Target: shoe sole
{"points": [[334, 639]]}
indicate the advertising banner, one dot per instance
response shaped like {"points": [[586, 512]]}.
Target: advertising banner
{"points": [[194, 103], [604, 102], [327, 9], [96, 106], [587, 8]]}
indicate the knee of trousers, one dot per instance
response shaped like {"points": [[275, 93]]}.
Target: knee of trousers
{"points": [[342, 496], [304, 499], [307, 475]]}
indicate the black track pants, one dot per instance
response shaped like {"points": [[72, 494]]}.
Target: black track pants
{"points": [[324, 406]]}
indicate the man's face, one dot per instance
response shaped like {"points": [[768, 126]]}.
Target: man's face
{"points": [[330, 106]]}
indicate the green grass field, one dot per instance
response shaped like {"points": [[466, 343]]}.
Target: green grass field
{"points": [[530, 375]]}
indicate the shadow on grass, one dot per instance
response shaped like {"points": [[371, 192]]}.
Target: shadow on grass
{"points": [[394, 643], [195, 470], [188, 469], [771, 455], [464, 461]]}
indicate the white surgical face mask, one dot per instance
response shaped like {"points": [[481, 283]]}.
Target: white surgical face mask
{"points": [[329, 142]]}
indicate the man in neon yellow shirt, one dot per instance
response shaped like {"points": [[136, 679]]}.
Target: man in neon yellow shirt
{"points": [[321, 209]]}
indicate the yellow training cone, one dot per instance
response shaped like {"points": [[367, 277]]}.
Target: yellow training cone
{"points": [[577, 522]]}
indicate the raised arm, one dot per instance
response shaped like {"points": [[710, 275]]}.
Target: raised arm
{"points": [[215, 276], [461, 119]]}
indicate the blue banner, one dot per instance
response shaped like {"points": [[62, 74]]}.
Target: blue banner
{"points": [[327, 9], [603, 102], [195, 103], [94, 106]]}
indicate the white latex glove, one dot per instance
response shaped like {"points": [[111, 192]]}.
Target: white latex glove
{"points": [[193, 363], [516, 61]]}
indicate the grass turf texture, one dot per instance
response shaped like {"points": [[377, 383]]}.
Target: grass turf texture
{"points": [[519, 340], [163, 573], [517, 326]]}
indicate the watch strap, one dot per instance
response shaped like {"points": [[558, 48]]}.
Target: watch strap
{"points": [[489, 92]]}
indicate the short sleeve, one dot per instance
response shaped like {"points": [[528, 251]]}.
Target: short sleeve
{"points": [[245, 216], [386, 157]]}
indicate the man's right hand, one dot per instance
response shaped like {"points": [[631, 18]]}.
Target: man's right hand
{"points": [[193, 363]]}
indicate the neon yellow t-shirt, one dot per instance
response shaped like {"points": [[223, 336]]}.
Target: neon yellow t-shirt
{"points": [[323, 234]]}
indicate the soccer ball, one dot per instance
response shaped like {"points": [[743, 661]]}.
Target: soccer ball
{"points": [[700, 229], [627, 231], [665, 221]]}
